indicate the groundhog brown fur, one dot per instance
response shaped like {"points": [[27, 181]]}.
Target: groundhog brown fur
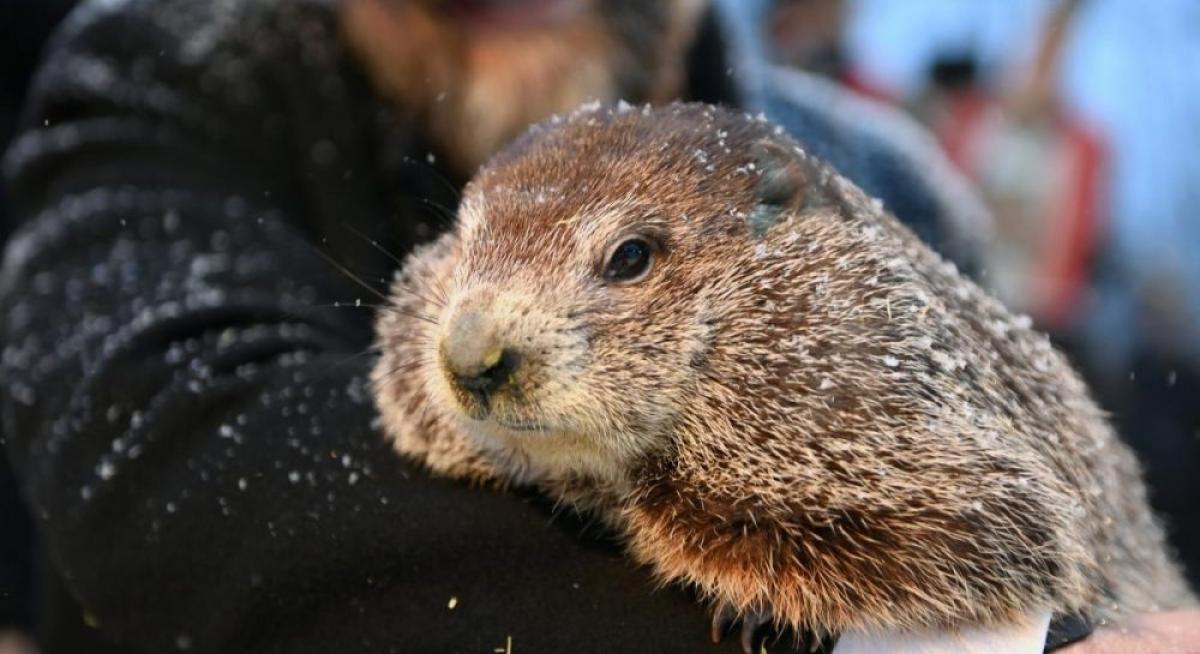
{"points": [[677, 319]]}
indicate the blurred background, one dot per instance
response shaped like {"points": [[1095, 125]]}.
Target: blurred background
{"points": [[1076, 119]]}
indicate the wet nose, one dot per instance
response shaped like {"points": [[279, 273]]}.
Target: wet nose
{"points": [[476, 357], [493, 374]]}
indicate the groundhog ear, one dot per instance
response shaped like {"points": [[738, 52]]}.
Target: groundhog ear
{"points": [[782, 184], [783, 178]]}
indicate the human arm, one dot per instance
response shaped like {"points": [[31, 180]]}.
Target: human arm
{"points": [[187, 412], [1168, 632]]}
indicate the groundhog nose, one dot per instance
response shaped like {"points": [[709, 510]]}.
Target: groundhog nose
{"points": [[490, 378], [475, 357]]}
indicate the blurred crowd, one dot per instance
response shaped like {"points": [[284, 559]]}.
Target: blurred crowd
{"points": [[1076, 119]]}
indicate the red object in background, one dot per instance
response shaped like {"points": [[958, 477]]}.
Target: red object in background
{"points": [[1073, 233], [960, 122], [1043, 179], [859, 84], [1042, 176]]}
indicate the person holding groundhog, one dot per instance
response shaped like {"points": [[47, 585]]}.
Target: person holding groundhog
{"points": [[213, 196]]}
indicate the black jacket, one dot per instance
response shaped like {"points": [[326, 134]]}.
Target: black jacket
{"points": [[183, 369], [24, 26]]}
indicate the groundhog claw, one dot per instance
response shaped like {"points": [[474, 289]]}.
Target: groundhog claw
{"points": [[723, 616], [755, 626]]}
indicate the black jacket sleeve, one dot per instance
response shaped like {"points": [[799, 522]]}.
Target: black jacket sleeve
{"points": [[185, 407]]}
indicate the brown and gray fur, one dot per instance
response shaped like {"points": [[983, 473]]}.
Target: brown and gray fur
{"points": [[801, 409]]}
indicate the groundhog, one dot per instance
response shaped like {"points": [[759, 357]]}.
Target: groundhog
{"points": [[678, 320]]}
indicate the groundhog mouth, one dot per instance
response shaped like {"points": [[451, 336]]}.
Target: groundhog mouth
{"points": [[522, 426]]}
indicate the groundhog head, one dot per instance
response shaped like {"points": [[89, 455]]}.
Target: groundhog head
{"points": [[597, 259]]}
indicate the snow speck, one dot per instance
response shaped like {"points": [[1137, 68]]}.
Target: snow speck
{"points": [[106, 470], [170, 221], [587, 108], [890, 361]]}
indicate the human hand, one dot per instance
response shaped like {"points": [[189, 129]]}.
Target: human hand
{"points": [[1173, 632], [16, 642]]}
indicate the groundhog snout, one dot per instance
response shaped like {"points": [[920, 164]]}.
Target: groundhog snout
{"points": [[477, 359]]}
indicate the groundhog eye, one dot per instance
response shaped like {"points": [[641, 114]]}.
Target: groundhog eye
{"points": [[629, 261]]}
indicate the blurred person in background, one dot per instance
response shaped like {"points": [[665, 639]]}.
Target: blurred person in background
{"points": [[804, 34], [196, 185]]}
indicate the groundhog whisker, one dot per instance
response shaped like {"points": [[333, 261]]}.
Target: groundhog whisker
{"points": [[441, 215], [440, 289], [436, 175], [355, 304], [412, 292], [446, 213], [392, 309], [384, 308], [357, 355], [351, 275], [344, 304], [405, 368], [373, 243], [399, 370]]}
